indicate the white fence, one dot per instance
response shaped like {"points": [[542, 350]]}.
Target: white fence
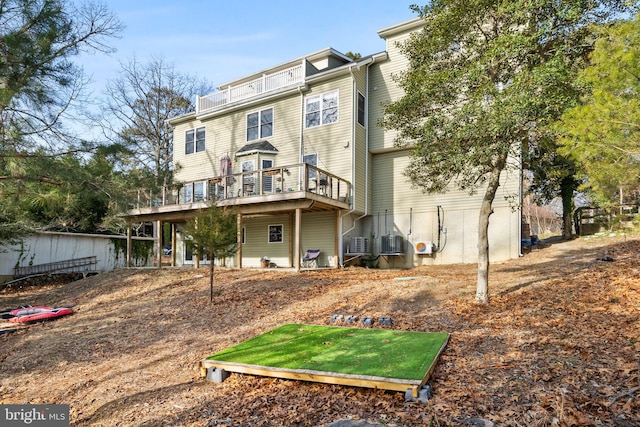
{"points": [[46, 248], [265, 84]]}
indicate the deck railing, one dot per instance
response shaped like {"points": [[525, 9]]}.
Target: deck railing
{"points": [[272, 182], [266, 83]]}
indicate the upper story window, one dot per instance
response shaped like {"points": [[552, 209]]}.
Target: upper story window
{"points": [[321, 109], [260, 124], [194, 141], [361, 108]]}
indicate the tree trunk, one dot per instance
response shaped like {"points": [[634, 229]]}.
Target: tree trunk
{"points": [[211, 258], [482, 290], [567, 186]]}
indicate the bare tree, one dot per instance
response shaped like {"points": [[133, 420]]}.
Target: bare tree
{"points": [[138, 105]]}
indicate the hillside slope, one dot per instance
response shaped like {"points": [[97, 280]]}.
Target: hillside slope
{"points": [[559, 344]]}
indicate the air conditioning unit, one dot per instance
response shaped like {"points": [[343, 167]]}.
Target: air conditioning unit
{"points": [[359, 245], [424, 247], [391, 245]]}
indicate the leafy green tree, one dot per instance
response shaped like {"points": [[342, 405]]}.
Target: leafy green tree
{"points": [[39, 87], [213, 231], [71, 193], [553, 175], [602, 133], [38, 80], [484, 77]]}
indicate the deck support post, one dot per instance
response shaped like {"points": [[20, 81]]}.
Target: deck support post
{"points": [[159, 243], [296, 244], [239, 240], [173, 244], [128, 260]]}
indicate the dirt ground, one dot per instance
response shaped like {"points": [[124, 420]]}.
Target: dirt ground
{"points": [[558, 345]]}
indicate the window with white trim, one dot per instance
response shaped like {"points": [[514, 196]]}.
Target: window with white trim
{"points": [[260, 124], [275, 233], [321, 109], [194, 140]]}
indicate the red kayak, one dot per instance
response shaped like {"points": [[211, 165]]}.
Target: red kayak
{"points": [[34, 314]]}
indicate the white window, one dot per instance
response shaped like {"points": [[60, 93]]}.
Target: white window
{"points": [[321, 109], [194, 141], [275, 233], [260, 124]]}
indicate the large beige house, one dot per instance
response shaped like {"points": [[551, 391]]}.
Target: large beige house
{"points": [[298, 151]]}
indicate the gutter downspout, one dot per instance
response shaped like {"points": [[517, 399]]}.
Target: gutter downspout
{"points": [[353, 158], [301, 147], [297, 244]]}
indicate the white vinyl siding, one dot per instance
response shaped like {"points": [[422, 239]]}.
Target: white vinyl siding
{"points": [[383, 89], [359, 149], [329, 143], [318, 232], [257, 243], [406, 208], [227, 133]]}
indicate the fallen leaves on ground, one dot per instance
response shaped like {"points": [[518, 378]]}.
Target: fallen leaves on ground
{"points": [[558, 345]]}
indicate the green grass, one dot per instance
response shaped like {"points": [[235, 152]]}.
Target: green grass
{"points": [[356, 351]]}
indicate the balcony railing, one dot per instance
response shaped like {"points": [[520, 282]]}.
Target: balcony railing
{"points": [[276, 183], [267, 83]]}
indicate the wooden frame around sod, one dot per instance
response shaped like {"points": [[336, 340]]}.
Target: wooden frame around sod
{"points": [[263, 355]]}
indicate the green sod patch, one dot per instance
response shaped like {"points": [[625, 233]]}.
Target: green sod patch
{"points": [[356, 351]]}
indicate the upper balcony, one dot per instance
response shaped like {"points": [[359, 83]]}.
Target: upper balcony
{"points": [[289, 77], [276, 189]]}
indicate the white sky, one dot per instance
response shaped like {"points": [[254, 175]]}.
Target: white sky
{"points": [[224, 40]]}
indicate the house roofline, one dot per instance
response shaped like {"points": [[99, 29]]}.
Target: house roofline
{"points": [[405, 26], [173, 121], [328, 51], [322, 75], [346, 68]]}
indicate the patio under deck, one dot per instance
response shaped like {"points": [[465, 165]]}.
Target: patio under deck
{"points": [[294, 189]]}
